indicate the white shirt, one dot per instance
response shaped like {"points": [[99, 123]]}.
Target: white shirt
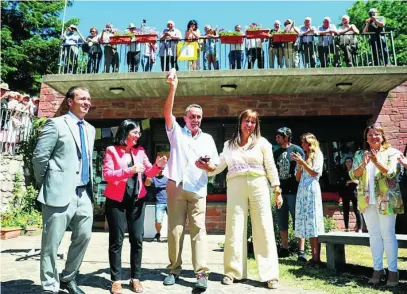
{"points": [[185, 150], [242, 161], [75, 121]]}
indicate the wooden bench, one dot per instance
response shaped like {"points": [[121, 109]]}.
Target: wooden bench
{"points": [[336, 241]]}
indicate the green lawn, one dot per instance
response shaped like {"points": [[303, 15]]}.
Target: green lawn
{"points": [[352, 280]]}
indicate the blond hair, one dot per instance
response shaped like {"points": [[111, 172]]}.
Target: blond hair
{"points": [[313, 143]]}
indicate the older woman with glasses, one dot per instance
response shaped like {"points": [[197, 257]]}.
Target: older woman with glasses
{"points": [[124, 166], [379, 198], [94, 51]]}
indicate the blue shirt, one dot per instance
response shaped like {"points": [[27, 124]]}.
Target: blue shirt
{"points": [[160, 183]]}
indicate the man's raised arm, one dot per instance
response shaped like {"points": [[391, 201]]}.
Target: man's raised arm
{"points": [[169, 103]]}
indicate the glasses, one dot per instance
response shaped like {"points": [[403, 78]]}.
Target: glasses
{"points": [[93, 31]]}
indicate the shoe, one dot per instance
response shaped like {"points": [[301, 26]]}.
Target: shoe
{"points": [[48, 292], [313, 263], [392, 279], [71, 286], [377, 277], [273, 284], [116, 288], [302, 256], [136, 286], [227, 280], [201, 281], [283, 252], [170, 279], [157, 237]]}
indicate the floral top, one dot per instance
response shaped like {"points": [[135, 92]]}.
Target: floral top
{"points": [[386, 186], [258, 161]]}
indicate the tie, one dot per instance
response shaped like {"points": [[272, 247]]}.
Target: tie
{"points": [[84, 156]]}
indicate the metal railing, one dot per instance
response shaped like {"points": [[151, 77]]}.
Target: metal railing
{"points": [[367, 49], [16, 126]]}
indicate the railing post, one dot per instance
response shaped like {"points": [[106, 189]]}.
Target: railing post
{"points": [[393, 49]]}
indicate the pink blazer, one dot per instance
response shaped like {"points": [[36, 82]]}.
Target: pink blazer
{"points": [[116, 171]]}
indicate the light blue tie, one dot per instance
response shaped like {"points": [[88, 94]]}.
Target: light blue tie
{"points": [[84, 155]]}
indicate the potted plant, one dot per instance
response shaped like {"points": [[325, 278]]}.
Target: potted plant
{"points": [[228, 37], [284, 37], [255, 31], [119, 38]]}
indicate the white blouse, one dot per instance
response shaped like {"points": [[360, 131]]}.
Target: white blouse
{"points": [[242, 161]]}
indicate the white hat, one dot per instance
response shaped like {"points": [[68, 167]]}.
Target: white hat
{"points": [[4, 86], [277, 22], [207, 27], [131, 26], [171, 22], [373, 10]]}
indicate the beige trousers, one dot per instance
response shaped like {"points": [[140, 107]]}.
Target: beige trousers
{"points": [[181, 203], [244, 192]]}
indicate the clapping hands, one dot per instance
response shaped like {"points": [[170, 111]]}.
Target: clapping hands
{"points": [[297, 158], [403, 160], [161, 161]]}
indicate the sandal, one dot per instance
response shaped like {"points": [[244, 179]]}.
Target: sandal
{"points": [[136, 286], [227, 280], [116, 288], [272, 284]]}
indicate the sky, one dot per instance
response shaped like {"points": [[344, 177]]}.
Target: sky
{"points": [[224, 14]]}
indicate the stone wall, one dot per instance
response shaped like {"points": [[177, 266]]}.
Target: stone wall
{"points": [[9, 167]]}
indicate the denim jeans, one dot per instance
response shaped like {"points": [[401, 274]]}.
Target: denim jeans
{"points": [[382, 235]]}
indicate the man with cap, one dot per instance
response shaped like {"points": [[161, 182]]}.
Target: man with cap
{"points": [[275, 48], [375, 24], [290, 49], [133, 50], [168, 48], [286, 172], [71, 48]]}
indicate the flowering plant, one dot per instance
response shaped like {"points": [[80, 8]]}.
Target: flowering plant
{"points": [[254, 27], [116, 32]]}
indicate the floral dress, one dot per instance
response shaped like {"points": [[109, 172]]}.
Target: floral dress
{"points": [[309, 220]]}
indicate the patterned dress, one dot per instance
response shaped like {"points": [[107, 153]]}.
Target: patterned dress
{"points": [[309, 220]]}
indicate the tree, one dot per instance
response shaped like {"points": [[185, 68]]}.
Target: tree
{"points": [[30, 42], [395, 13]]}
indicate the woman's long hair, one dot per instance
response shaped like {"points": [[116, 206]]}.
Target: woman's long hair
{"points": [[124, 129], [234, 142], [313, 146], [379, 129]]}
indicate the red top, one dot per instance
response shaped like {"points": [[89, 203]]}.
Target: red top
{"points": [[116, 171]]}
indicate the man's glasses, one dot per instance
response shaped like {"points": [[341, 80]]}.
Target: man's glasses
{"points": [[93, 31]]}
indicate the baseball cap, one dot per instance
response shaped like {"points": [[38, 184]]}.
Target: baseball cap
{"points": [[285, 132]]}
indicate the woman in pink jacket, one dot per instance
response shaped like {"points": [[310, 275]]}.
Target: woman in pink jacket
{"points": [[123, 167]]}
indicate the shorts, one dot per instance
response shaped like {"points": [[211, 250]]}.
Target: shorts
{"points": [[282, 213], [160, 210]]}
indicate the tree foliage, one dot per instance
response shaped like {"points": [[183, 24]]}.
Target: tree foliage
{"points": [[30, 40], [395, 14]]}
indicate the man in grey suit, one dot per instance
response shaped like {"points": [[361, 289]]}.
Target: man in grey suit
{"points": [[63, 167]]}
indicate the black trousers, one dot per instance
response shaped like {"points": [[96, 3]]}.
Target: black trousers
{"points": [[165, 63], [346, 206], [133, 60], [132, 210]]}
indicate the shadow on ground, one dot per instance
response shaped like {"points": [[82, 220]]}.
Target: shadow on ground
{"points": [[351, 275]]}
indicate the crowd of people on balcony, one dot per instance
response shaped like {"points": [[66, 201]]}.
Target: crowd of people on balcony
{"points": [[17, 111], [322, 46]]}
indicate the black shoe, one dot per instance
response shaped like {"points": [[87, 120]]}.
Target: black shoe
{"points": [[302, 256], [157, 237], [283, 252], [71, 286]]}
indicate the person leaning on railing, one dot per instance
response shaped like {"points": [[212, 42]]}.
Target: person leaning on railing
{"points": [[326, 44], [307, 43], [275, 48], [110, 50], [70, 48], [236, 52], [375, 24], [133, 50], [168, 48], [193, 34], [347, 41], [94, 51], [379, 198], [209, 49], [290, 49]]}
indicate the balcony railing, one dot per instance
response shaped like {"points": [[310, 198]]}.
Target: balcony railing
{"points": [[367, 49], [16, 127]]}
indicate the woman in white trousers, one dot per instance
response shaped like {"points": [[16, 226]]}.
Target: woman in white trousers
{"points": [[251, 169]]}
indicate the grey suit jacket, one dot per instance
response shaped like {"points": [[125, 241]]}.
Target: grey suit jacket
{"points": [[56, 160]]}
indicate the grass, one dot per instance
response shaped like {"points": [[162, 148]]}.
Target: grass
{"points": [[352, 280]]}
